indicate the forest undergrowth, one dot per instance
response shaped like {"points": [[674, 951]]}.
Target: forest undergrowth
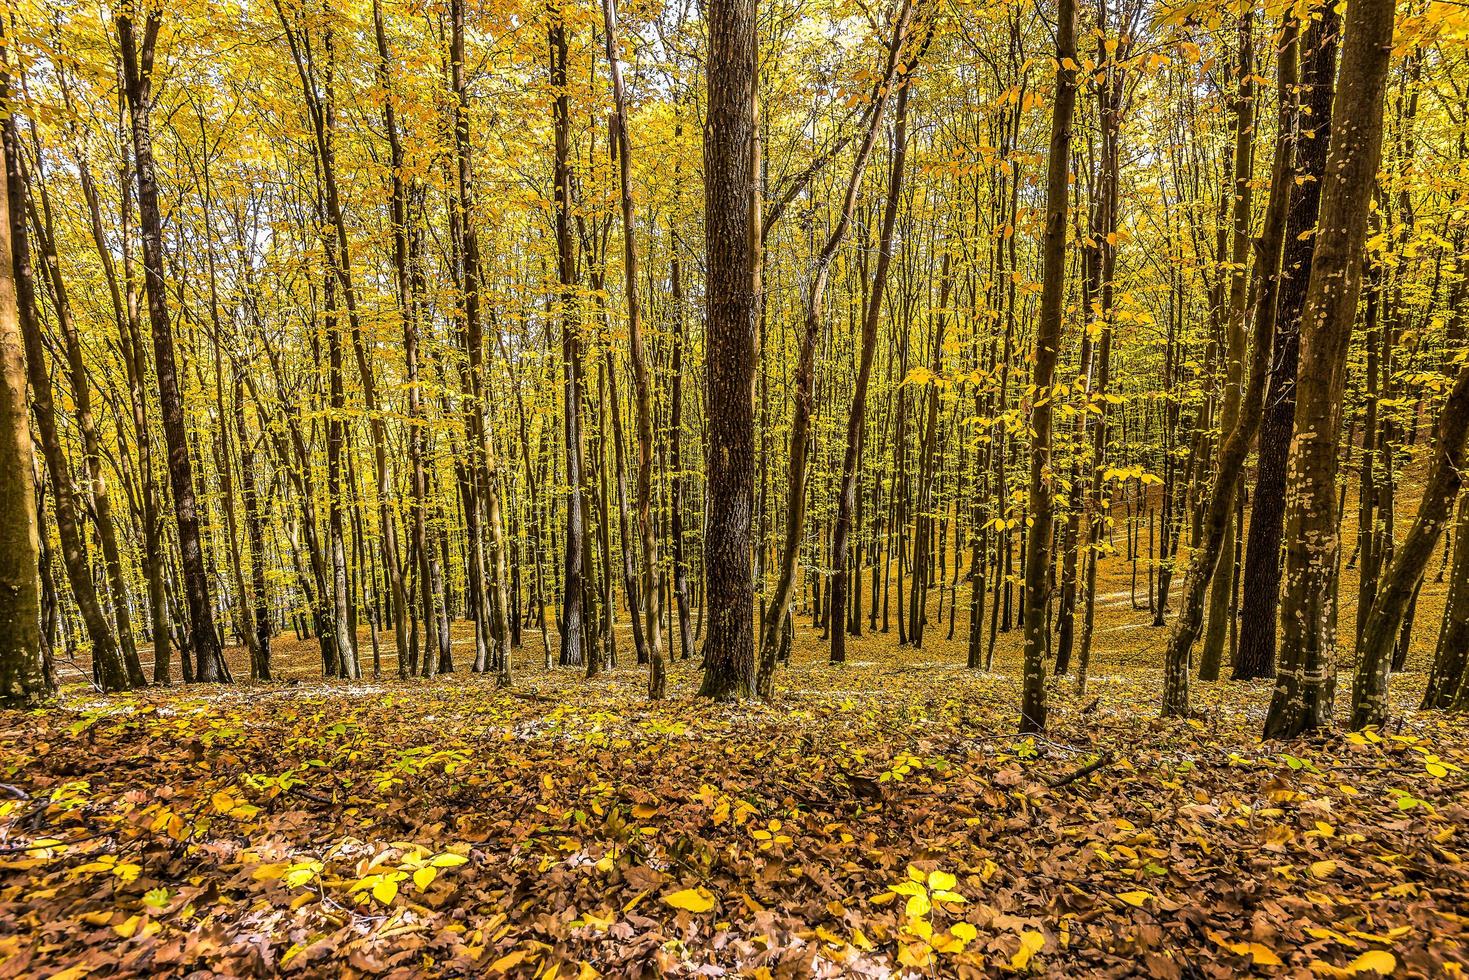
{"points": [[880, 818]]}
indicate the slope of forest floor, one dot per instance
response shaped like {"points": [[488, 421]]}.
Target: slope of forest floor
{"points": [[882, 818]]}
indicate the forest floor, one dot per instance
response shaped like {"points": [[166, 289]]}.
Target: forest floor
{"points": [[880, 818]]}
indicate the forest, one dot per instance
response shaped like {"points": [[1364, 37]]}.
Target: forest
{"points": [[762, 488]]}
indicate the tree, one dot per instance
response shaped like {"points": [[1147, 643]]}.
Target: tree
{"points": [[642, 379], [1399, 583], [857, 415], [1261, 591], [137, 64], [23, 679], [1215, 542], [803, 404], [731, 233], [106, 657], [1304, 682], [1047, 344]]}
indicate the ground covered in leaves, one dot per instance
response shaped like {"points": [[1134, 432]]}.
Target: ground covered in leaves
{"points": [[880, 819]]}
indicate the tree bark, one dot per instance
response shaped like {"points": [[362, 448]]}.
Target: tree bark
{"points": [[23, 681], [1303, 694], [137, 59], [731, 236], [1261, 600], [642, 376], [856, 417], [574, 584], [1047, 343], [1399, 583]]}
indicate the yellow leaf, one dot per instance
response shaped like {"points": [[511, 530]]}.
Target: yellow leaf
{"points": [[1323, 869], [424, 877], [507, 962], [1261, 954], [448, 860], [826, 935], [644, 810], [918, 906], [385, 890], [223, 801], [1031, 942], [1135, 898], [1377, 960], [941, 881], [692, 899], [915, 955]]}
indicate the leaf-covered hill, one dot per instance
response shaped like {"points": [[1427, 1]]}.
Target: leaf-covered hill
{"points": [[881, 819]]}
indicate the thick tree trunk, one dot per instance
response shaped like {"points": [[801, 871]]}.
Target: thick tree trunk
{"points": [[1303, 693], [573, 584], [1261, 599], [23, 681], [731, 235], [1451, 659]]}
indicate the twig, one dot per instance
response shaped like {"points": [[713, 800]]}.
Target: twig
{"points": [[55, 843], [1100, 762]]}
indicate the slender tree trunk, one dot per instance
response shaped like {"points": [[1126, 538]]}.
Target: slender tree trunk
{"points": [[404, 266], [1215, 529], [98, 490], [1047, 343], [137, 58], [1221, 608], [108, 668], [1401, 580], [675, 464], [254, 535], [494, 600], [804, 399], [856, 418], [642, 376]]}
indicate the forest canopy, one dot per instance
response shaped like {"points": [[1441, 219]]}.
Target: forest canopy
{"points": [[786, 488]]}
